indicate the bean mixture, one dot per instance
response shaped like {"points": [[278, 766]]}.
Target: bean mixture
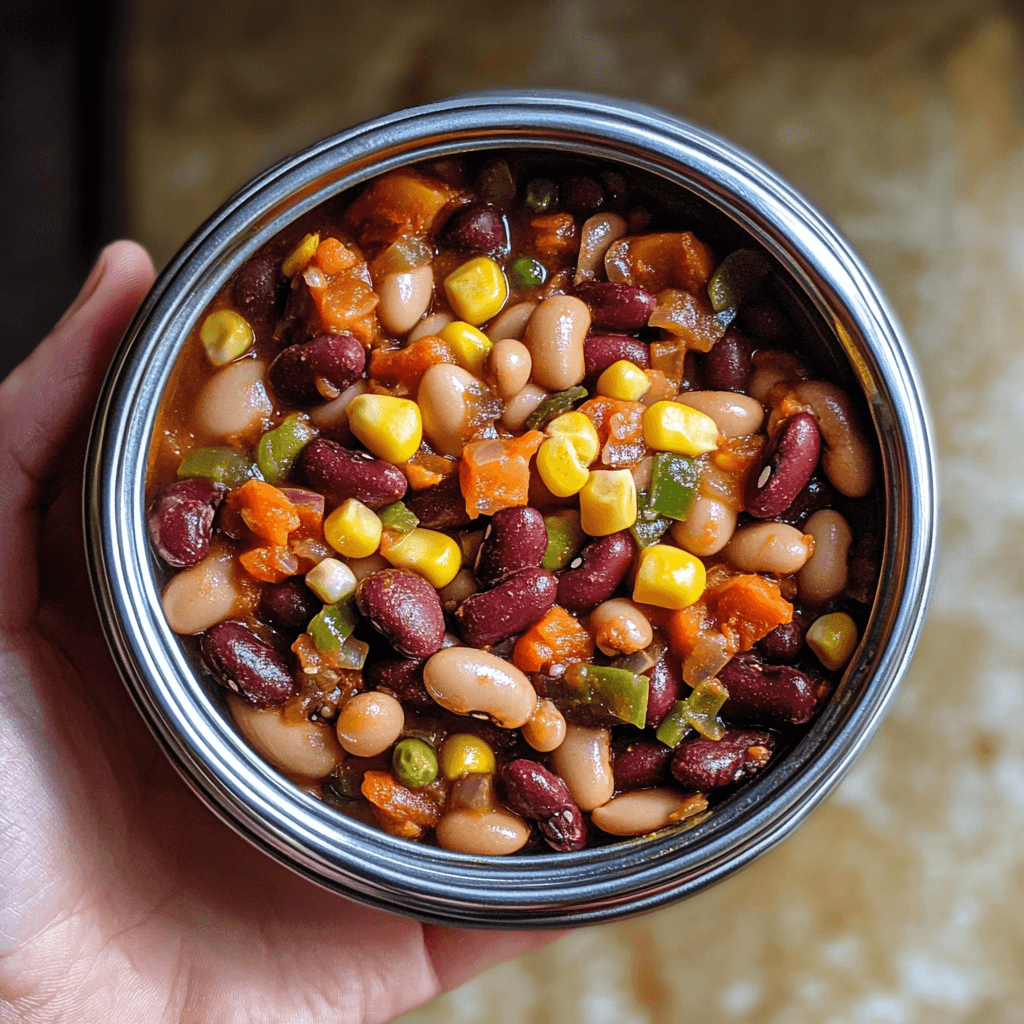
{"points": [[509, 509]]}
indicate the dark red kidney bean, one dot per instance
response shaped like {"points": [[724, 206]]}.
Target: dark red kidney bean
{"points": [[336, 361], [616, 187], [639, 764], [616, 307], [817, 493], [785, 468], [258, 292], [490, 616], [288, 606], [246, 665], [476, 230], [702, 764], [763, 322], [581, 194], [405, 608], [766, 693], [596, 572], [665, 689], [180, 520], [728, 366], [515, 539], [402, 678], [341, 473], [783, 643], [533, 792], [601, 350], [441, 507]]}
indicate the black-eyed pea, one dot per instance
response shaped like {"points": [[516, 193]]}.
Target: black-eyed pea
{"points": [[770, 548], [471, 682], [620, 627], [735, 415], [510, 366], [707, 529], [491, 833], [546, 728], [583, 760], [825, 574], [404, 298], [304, 748], [646, 810], [521, 405], [369, 723]]}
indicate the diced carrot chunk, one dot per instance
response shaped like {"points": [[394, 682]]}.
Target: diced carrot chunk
{"points": [[334, 257], [495, 473], [401, 811], [555, 234], [555, 640], [749, 608], [669, 259], [407, 365], [272, 564], [265, 510], [402, 202]]}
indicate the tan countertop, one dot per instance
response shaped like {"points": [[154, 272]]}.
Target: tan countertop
{"points": [[899, 901]]}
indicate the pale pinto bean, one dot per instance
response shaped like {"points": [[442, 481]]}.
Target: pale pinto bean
{"points": [[208, 593], [642, 472], [735, 415], [518, 409], [769, 547], [404, 298], [773, 368], [707, 529], [596, 236], [369, 723], [443, 397], [429, 325], [491, 833], [646, 810], [546, 728], [367, 566], [825, 574], [471, 682], [511, 322], [333, 415], [620, 627], [584, 762], [308, 749], [555, 335], [846, 455], [233, 401], [464, 585], [510, 366]]}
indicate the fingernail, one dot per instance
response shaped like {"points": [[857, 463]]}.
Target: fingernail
{"points": [[92, 282]]}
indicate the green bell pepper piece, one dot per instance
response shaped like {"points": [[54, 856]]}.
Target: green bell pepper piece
{"points": [[698, 711], [554, 405], [674, 482], [565, 539], [331, 627], [603, 693], [528, 273], [222, 465], [540, 194], [279, 448], [649, 527], [674, 725], [397, 517], [736, 278]]}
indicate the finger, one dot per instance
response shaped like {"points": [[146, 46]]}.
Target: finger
{"points": [[44, 401]]}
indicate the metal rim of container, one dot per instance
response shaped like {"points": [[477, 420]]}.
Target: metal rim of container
{"points": [[424, 882]]}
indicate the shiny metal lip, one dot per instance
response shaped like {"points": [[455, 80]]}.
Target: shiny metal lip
{"points": [[424, 882]]}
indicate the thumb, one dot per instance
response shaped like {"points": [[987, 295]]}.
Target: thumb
{"points": [[44, 401]]}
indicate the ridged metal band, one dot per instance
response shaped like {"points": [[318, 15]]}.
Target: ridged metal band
{"points": [[425, 882]]}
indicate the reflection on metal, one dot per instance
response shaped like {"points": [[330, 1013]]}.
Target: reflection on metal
{"points": [[188, 716]]}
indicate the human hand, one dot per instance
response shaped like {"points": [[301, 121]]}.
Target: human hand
{"points": [[122, 899]]}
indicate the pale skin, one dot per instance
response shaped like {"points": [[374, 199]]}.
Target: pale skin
{"points": [[122, 899]]}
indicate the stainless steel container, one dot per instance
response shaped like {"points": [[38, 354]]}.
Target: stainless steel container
{"points": [[857, 328]]}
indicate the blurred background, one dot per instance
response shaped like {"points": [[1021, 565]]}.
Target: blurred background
{"points": [[900, 900]]}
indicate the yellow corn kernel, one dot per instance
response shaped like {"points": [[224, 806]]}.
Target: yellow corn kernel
{"points": [[390, 427], [226, 335], [477, 290], [674, 427], [560, 466], [435, 556], [579, 429], [300, 256], [668, 577], [833, 638], [465, 754], [353, 530], [623, 380], [608, 502], [469, 345]]}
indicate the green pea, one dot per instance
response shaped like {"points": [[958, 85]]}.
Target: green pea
{"points": [[528, 273], [222, 465], [279, 448], [414, 763], [540, 194]]}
